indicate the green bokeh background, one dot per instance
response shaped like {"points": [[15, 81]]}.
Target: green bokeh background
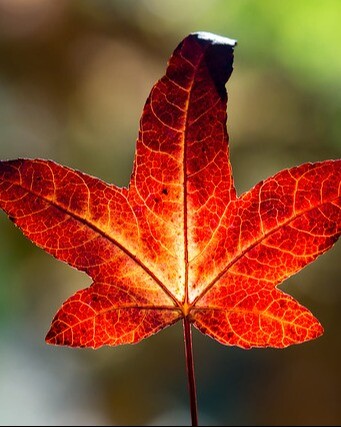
{"points": [[74, 76]]}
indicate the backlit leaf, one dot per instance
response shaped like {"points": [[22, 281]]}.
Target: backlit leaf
{"points": [[179, 242]]}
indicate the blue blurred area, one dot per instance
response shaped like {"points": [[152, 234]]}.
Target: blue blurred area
{"points": [[74, 76]]}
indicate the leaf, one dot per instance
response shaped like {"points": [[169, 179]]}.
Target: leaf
{"points": [[179, 242]]}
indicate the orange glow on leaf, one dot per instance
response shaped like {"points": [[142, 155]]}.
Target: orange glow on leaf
{"points": [[179, 241]]}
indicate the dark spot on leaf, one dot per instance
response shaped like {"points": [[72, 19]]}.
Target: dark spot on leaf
{"points": [[94, 298], [165, 191]]}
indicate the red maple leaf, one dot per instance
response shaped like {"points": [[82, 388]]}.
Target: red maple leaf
{"points": [[179, 243]]}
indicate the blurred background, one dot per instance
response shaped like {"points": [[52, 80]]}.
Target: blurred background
{"points": [[74, 76]]}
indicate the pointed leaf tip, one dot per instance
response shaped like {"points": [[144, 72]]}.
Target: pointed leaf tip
{"points": [[215, 52]]}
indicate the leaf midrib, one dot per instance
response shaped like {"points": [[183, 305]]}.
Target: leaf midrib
{"points": [[186, 176]]}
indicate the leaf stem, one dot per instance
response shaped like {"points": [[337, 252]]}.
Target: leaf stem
{"points": [[190, 371]]}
